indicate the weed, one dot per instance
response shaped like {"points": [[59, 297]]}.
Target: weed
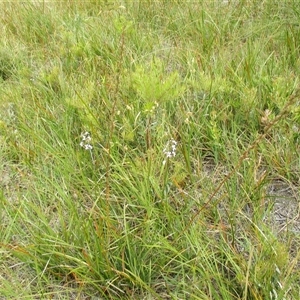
{"points": [[149, 150]]}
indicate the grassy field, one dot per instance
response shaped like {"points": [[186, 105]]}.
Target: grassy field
{"points": [[150, 149]]}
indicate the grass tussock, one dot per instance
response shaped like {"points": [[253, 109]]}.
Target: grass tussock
{"points": [[149, 150]]}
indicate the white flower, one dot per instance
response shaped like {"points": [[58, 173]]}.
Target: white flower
{"points": [[86, 141], [170, 149]]}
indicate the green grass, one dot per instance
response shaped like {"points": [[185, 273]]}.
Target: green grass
{"points": [[121, 219]]}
